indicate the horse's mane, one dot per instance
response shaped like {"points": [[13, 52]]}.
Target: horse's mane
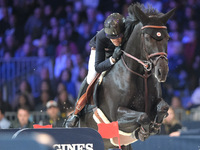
{"points": [[149, 11], [132, 20]]}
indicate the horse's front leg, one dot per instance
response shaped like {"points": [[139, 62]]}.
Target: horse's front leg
{"points": [[133, 121], [162, 109]]}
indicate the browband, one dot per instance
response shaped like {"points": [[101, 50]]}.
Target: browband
{"points": [[153, 26]]}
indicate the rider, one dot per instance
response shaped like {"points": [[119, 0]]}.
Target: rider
{"points": [[106, 48]]}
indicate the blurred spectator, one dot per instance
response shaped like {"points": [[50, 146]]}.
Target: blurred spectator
{"points": [[78, 6], [72, 37], [44, 42], [196, 64], [34, 24], [84, 37], [195, 98], [45, 74], [65, 101], [127, 3], [60, 61], [9, 44], [48, 13], [53, 113], [4, 103], [22, 121], [4, 17], [74, 69], [26, 90], [24, 51], [63, 45], [28, 39], [62, 95], [15, 28], [92, 20], [45, 96], [44, 65], [174, 31], [53, 31], [53, 22], [82, 74], [87, 51], [79, 62], [47, 86], [60, 87], [188, 15], [68, 11], [155, 3], [176, 104], [22, 101], [105, 6], [190, 132], [4, 123], [170, 123], [8, 67], [189, 41], [91, 3], [77, 20], [66, 79]]}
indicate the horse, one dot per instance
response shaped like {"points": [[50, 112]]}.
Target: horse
{"points": [[130, 92]]}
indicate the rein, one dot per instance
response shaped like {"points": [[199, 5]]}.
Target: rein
{"points": [[147, 65], [145, 77]]}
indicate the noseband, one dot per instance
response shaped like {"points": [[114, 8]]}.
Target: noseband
{"points": [[147, 64]]}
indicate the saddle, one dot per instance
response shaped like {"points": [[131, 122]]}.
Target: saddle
{"points": [[87, 97]]}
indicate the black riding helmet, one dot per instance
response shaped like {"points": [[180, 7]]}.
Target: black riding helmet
{"points": [[114, 26]]}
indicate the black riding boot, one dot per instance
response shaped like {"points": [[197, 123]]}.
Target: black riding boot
{"points": [[72, 121]]}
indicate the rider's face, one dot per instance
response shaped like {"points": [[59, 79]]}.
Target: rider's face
{"points": [[117, 41]]}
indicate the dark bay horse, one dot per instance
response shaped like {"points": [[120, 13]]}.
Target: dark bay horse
{"points": [[131, 93]]}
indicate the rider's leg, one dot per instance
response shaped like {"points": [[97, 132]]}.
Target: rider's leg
{"points": [[91, 66], [73, 120]]}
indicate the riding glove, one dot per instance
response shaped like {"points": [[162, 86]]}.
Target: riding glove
{"points": [[117, 53]]}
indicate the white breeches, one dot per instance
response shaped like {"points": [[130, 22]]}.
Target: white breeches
{"points": [[91, 67]]}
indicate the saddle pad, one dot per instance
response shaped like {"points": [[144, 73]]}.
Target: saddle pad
{"points": [[125, 138]]}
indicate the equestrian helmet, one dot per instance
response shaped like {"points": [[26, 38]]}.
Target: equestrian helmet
{"points": [[114, 26]]}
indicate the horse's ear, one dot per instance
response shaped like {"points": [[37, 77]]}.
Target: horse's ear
{"points": [[166, 16], [141, 15]]}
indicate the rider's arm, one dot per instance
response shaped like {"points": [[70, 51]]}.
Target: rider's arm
{"points": [[102, 64]]}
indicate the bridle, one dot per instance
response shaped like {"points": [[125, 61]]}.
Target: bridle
{"points": [[147, 64]]}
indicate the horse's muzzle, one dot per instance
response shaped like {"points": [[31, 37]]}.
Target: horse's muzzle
{"points": [[161, 70]]}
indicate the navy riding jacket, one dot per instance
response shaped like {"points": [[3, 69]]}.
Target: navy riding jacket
{"points": [[105, 48]]}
